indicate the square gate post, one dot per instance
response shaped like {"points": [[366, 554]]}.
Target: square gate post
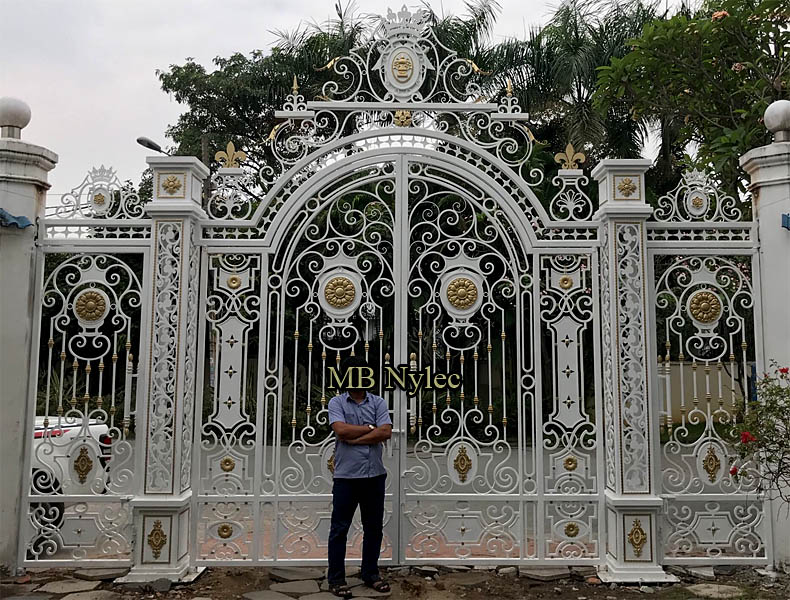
{"points": [[769, 170], [162, 510], [632, 500]]}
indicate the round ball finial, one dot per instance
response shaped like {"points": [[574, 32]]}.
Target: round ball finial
{"points": [[14, 116], [777, 120]]}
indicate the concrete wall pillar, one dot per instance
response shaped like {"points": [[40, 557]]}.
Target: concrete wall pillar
{"points": [[23, 186], [769, 170], [163, 509], [631, 433]]}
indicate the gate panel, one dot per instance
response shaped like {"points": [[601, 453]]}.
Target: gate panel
{"points": [[469, 299], [83, 440], [704, 261]]}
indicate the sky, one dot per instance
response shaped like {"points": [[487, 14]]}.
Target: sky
{"points": [[87, 68]]}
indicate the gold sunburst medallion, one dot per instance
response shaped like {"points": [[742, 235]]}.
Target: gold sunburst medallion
{"points": [[462, 463], [705, 307], [462, 293], [571, 529], [339, 292], [570, 463], [234, 282], [90, 306], [99, 199], [227, 464], [565, 282]]}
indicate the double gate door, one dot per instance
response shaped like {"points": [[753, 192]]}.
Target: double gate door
{"points": [[419, 262]]}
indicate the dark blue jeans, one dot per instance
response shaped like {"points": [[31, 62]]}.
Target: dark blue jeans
{"points": [[368, 493]]}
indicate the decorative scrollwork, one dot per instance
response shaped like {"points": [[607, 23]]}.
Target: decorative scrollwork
{"points": [[100, 195], [697, 198]]}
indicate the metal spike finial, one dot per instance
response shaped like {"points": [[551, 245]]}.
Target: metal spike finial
{"points": [[509, 88], [295, 86]]}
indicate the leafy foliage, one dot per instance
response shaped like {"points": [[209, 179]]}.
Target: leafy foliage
{"points": [[707, 77], [764, 432]]}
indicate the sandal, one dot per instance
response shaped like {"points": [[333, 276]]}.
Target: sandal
{"points": [[341, 590], [379, 585]]}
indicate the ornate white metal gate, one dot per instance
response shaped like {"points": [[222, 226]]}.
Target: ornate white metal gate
{"points": [[400, 222]]}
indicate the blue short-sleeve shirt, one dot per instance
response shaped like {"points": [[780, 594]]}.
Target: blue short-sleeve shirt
{"points": [[355, 462]]}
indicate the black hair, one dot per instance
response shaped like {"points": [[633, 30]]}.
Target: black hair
{"points": [[352, 362]]}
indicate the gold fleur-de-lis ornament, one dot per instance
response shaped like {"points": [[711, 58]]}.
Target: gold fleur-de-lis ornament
{"points": [[230, 157], [569, 158]]}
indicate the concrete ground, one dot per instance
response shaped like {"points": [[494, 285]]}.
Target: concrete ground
{"points": [[408, 583]]}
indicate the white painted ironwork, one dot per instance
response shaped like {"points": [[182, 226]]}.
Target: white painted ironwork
{"points": [[416, 240]]}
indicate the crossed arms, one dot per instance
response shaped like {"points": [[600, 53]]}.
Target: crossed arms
{"points": [[357, 435]]}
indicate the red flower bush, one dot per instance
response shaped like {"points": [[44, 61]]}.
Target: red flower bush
{"points": [[765, 454]]}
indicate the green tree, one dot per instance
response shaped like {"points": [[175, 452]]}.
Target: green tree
{"points": [[706, 79]]}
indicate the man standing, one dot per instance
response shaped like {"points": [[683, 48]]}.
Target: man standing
{"points": [[361, 423]]}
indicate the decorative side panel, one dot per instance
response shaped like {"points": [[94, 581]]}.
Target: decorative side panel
{"points": [[610, 408], [188, 408], [630, 355], [83, 441], [163, 371], [705, 322], [566, 312]]}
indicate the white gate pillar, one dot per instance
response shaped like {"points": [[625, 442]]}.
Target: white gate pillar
{"points": [[23, 186], [162, 509], [769, 170], [630, 415]]}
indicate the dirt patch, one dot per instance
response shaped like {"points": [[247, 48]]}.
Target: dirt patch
{"points": [[230, 583]]}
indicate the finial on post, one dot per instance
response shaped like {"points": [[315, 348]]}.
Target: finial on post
{"points": [[295, 86], [509, 88], [14, 116], [777, 120]]}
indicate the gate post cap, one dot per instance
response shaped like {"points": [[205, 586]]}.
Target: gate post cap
{"points": [[777, 120], [14, 116]]}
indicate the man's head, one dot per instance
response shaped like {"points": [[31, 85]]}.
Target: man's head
{"points": [[353, 362]]}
